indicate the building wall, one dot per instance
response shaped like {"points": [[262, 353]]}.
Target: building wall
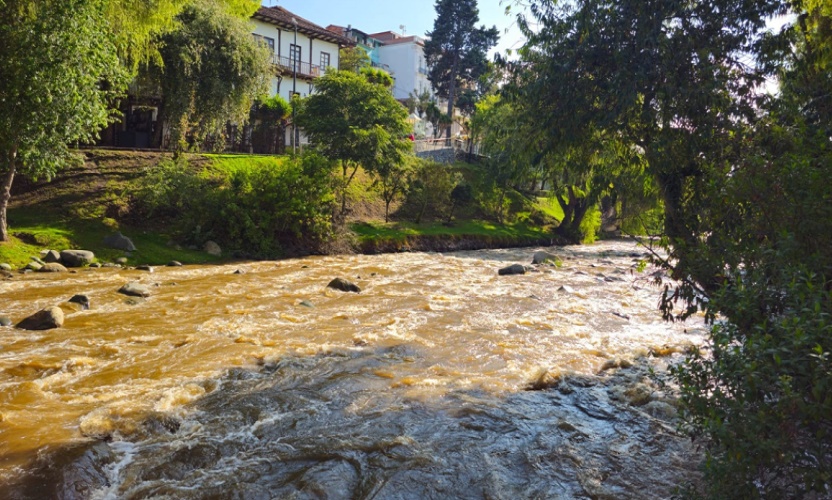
{"points": [[407, 63], [311, 50]]}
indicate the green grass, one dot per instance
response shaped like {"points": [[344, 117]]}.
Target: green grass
{"points": [[41, 233], [549, 207]]}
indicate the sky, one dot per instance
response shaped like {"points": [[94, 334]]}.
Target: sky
{"points": [[417, 16]]}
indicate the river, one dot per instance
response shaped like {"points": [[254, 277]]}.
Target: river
{"points": [[440, 379]]}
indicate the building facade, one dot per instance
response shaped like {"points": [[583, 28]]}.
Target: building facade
{"points": [[302, 50], [405, 56]]}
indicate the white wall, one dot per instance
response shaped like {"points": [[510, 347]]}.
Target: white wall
{"points": [[404, 60], [283, 39]]}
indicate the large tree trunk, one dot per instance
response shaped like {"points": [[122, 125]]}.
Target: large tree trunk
{"points": [[6, 193], [451, 92]]}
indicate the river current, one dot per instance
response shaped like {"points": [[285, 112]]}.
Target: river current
{"points": [[440, 379]]}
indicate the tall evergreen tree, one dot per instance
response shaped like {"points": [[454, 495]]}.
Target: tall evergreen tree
{"points": [[457, 50]]}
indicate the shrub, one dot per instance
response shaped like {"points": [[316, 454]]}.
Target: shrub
{"points": [[259, 210]]}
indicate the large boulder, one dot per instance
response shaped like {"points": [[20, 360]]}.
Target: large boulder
{"points": [[343, 285], [46, 319], [52, 267], [120, 242], [511, 270], [5, 267], [134, 289], [77, 258], [544, 257], [212, 248], [51, 256]]}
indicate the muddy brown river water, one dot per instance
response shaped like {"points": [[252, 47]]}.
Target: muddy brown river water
{"points": [[440, 379]]}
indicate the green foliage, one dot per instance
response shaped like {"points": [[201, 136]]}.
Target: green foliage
{"points": [[59, 75], [355, 122], [268, 119], [764, 394], [377, 76], [212, 72], [430, 189], [456, 50], [258, 209], [137, 26], [353, 59]]}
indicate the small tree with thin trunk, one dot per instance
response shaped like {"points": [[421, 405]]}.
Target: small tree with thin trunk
{"points": [[60, 72], [355, 122], [457, 50]]}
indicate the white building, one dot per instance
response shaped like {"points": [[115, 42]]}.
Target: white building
{"points": [[405, 56], [302, 49]]}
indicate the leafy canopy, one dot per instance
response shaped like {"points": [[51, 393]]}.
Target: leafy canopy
{"points": [[59, 75], [354, 121], [456, 52], [213, 71]]}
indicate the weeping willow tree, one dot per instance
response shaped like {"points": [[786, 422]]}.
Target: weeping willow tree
{"points": [[211, 72]]}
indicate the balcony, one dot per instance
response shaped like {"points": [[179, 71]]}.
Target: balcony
{"points": [[304, 69]]}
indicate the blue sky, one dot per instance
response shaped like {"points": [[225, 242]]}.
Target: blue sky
{"points": [[416, 16]]}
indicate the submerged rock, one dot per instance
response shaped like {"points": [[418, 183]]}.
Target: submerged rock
{"points": [[512, 270], [544, 257], [306, 303], [120, 242], [174, 263], [134, 289], [5, 321], [46, 319], [343, 285], [566, 289], [83, 300], [145, 267], [77, 258]]}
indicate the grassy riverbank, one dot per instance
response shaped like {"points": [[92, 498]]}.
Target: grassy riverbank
{"points": [[97, 197]]}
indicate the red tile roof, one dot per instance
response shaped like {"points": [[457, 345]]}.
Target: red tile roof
{"points": [[283, 18]]}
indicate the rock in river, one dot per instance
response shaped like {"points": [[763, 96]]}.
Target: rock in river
{"points": [[46, 319], [5, 321], [513, 269], [52, 267], [544, 257], [134, 289], [77, 258], [81, 299], [343, 285]]}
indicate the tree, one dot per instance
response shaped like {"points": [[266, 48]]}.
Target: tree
{"points": [[393, 178], [670, 78], [268, 119], [60, 74], [456, 52], [212, 72], [743, 177], [377, 76], [353, 59], [356, 122]]}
